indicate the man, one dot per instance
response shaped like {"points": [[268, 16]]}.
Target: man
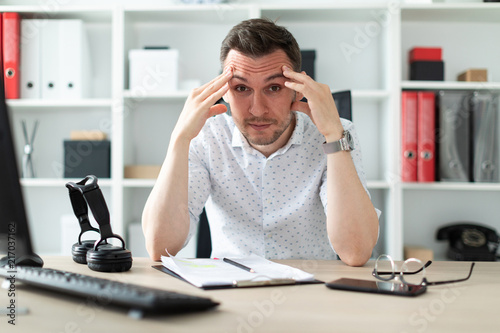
{"points": [[261, 172]]}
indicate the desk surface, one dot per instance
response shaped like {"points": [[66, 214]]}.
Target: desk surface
{"points": [[471, 306]]}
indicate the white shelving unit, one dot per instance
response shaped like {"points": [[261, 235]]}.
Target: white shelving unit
{"points": [[360, 46], [466, 33]]}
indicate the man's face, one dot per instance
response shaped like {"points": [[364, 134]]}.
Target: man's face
{"points": [[260, 102]]}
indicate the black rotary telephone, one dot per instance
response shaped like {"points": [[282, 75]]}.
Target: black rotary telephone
{"points": [[470, 242]]}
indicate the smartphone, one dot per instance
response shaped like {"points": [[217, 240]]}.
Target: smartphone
{"points": [[377, 287]]}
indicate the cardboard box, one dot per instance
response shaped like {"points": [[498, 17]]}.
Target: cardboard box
{"points": [[142, 171], [474, 75], [419, 252], [83, 158], [154, 70], [88, 135]]}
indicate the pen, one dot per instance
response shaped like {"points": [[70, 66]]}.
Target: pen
{"points": [[234, 263]]}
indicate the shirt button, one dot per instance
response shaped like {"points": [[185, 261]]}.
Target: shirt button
{"points": [[269, 235]]}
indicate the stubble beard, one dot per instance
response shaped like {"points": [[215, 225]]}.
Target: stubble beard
{"points": [[264, 141]]}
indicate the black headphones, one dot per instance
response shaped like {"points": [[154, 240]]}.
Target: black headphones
{"points": [[99, 255]]}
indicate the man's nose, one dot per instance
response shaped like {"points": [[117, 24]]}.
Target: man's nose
{"points": [[258, 106]]}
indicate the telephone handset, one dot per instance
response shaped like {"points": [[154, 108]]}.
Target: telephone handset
{"points": [[470, 242]]}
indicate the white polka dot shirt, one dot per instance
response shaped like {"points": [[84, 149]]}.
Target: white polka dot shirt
{"points": [[274, 207]]}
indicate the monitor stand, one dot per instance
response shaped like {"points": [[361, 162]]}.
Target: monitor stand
{"points": [[33, 260]]}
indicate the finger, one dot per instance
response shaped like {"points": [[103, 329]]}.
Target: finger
{"points": [[299, 77], [299, 87], [212, 99], [217, 109], [214, 85]]}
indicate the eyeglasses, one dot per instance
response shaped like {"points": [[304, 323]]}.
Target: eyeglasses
{"points": [[412, 271]]}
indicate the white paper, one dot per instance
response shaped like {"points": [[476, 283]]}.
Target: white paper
{"points": [[216, 272]]}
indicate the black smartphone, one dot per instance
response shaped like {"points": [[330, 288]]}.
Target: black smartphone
{"points": [[377, 287]]}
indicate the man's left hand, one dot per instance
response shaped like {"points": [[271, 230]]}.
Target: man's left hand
{"points": [[320, 106]]}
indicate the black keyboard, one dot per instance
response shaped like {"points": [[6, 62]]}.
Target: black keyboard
{"points": [[140, 300]]}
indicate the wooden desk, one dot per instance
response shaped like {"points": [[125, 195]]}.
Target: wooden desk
{"points": [[472, 306]]}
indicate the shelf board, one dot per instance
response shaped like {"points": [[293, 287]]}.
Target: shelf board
{"points": [[452, 186], [377, 185], [334, 12], [447, 85], [43, 104], [138, 183], [174, 95], [94, 14], [370, 94], [186, 14], [57, 182], [451, 12]]}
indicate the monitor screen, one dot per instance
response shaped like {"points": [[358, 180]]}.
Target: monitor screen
{"points": [[15, 241]]}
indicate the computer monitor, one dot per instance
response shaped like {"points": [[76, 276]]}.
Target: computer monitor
{"points": [[15, 240]]}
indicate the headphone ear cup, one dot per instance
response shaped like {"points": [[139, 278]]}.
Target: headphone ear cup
{"points": [[79, 251], [109, 258]]}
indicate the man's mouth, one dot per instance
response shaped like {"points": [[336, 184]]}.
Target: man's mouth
{"points": [[259, 127]]}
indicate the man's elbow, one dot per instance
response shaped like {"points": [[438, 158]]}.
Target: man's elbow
{"points": [[355, 259], [157, 248], [356, 254]]}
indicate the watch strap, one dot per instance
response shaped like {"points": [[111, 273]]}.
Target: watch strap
{"points": [[332, 147], [343, 144]]}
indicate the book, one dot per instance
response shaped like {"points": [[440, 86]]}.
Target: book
{"points": [[214, 273]]}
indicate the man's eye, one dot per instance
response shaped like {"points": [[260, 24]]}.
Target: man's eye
{"points": [[274, 88], [240, 88]]}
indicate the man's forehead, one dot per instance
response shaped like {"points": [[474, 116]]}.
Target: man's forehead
{"points": [[244, 64]]}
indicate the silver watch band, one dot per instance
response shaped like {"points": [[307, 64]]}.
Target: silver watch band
{"points": [[344, 144]]}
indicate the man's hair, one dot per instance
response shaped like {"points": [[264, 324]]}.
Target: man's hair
{"points": [[259, 37]]}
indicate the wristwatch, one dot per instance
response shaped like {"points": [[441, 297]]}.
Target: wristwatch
{"points": [[344, 144]]}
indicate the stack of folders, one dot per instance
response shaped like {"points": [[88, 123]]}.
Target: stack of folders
{"points": [[45, 58], [468, 138], [464, 128]]}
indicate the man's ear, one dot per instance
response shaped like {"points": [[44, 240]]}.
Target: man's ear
{"points": [[298, 96]]}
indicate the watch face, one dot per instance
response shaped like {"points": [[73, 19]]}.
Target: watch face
{"points": [[349, 139]]}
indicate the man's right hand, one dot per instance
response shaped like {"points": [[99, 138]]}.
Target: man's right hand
{"points": [[200, 106]]}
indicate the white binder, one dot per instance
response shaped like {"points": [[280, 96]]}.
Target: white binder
{"points": [[30, 43], [49, 57], [74, 61]]}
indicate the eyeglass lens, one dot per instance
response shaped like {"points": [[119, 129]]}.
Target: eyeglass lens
{"points": [[412, 271]]}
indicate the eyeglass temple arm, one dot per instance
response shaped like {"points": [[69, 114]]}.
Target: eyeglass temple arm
{"points": [[452, 281], [427, 264]]}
